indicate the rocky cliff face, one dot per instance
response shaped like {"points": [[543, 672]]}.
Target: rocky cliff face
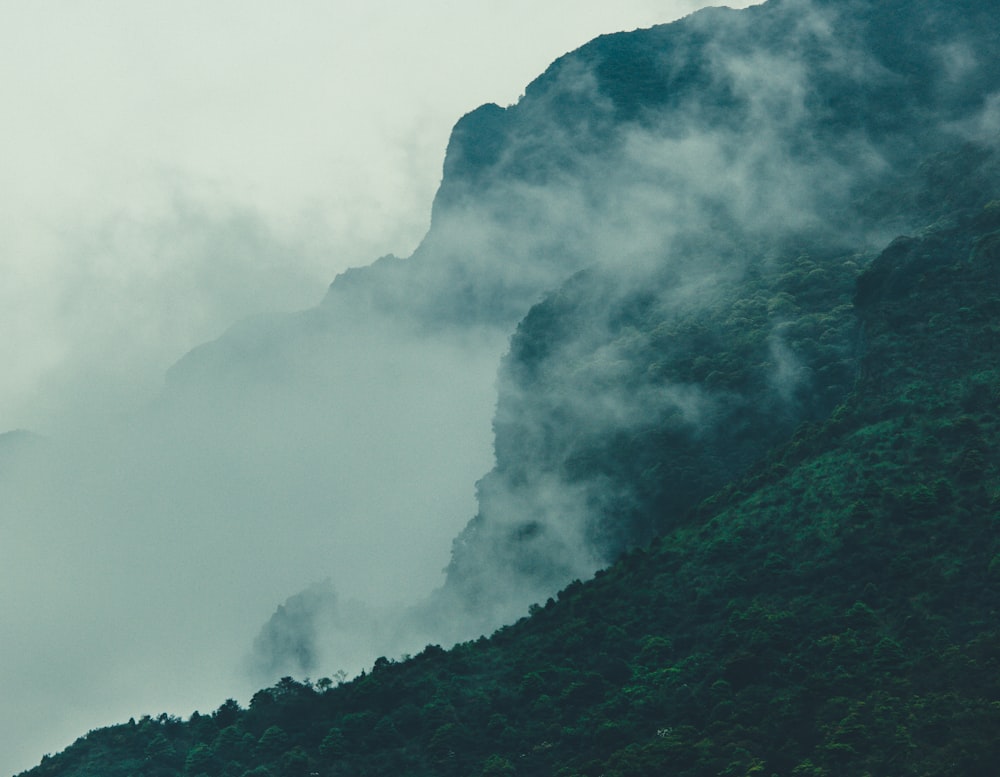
{"points": [[732, 173], [667, 227]]}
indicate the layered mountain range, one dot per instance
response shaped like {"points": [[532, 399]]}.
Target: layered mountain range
{"points": [[726, 379]]}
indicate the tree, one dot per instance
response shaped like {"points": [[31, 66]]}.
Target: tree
{"points": [[272, 742], [200, 759], [497, 766], [160, 750]]}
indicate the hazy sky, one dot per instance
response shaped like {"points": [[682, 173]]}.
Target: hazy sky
{"points": [[142, 138], [169, 168]]}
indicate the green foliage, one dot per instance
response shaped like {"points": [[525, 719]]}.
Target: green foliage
{"points": [[200, 760], [826, 614], [498, 766], [830, 610]]}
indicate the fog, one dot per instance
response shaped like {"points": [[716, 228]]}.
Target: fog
{"points": [[235, 473], [744, 176], [168, 173]]}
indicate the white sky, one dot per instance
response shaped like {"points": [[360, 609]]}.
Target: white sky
{"points": [[170, 167], [139, 136]]}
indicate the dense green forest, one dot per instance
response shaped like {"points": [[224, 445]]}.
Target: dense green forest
{"points": [[748, 165], [786, 456], [832, 612]]}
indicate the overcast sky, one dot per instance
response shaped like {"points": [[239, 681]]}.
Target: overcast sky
{"points": [[169, 168], [140, 136]]}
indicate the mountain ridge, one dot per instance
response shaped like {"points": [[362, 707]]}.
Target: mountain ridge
{"points": [[830, 612], [727, 374]]}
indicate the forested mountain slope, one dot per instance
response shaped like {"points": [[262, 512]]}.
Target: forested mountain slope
{"points": [[733, 172], [832, 612], [667, 226], [729, 382]]}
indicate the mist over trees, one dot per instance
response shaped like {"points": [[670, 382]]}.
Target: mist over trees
{"points": [[700, 197], [823, 614], [659, 316]]}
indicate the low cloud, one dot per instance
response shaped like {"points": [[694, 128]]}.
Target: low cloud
{"points": [[652, 250], [149, 539]]}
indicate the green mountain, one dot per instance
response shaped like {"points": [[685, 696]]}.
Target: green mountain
{"points": [[768, 417], [831, 612], [736, 170]]}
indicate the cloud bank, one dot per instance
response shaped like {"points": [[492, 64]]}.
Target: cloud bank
{"points": [[154, 527]]}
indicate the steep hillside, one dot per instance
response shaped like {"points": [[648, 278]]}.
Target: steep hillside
{"points": [[832, 612], [670, 222], [761, 158], [727, 382]]}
